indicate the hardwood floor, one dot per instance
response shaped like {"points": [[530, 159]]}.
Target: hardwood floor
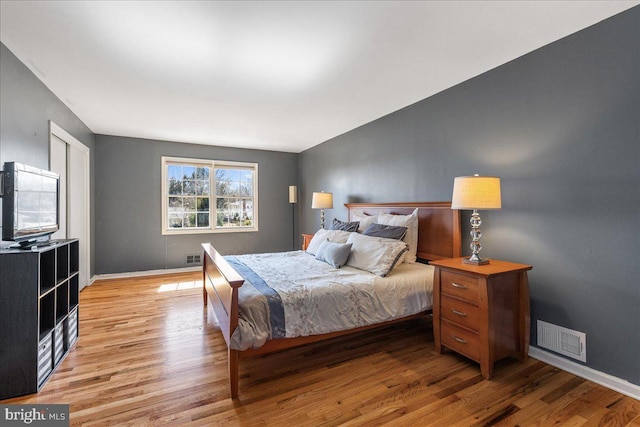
{"points": [[147, 356]]}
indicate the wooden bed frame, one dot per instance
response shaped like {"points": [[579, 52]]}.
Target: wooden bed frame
{"points": [[438, 238]]}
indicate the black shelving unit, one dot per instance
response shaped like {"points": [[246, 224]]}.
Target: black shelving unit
{"points": [[39, 295]]}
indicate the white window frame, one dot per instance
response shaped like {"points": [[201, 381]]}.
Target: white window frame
{"points": [[213, 164]]}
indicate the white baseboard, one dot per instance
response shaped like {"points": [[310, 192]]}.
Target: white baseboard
{"points": [[143, 273], [606, 380]]}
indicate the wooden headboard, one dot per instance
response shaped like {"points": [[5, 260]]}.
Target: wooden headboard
{"points": [[438, 225]]}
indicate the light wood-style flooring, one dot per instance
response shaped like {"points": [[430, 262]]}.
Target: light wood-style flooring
{"points": [[149, 354]]}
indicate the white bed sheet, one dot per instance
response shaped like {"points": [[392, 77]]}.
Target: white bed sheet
{"points": [[319, 299]]}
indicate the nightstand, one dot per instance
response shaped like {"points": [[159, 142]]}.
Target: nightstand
{"points": [[481, 312], [306, 239]]}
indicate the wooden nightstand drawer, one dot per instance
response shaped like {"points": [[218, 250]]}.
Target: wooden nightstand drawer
{"points": [[459, 285], [460, 312], [481, 311], [463, 341]]}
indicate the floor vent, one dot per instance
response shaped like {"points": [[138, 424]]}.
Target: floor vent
{"points": [[193, 259], [562, 340]]}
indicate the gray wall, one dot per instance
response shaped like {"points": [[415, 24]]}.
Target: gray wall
{"points": [[128, 193], [560, 126], [26, 106]]}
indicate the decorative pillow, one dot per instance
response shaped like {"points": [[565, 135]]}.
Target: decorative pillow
{"points": [[345, 226], [409, 221], [364, 219], [335, 254], [337, 236], [376, 255], [386, 231]]}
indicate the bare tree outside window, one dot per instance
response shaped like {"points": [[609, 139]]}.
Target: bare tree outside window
{"points": [[188, 196], [189, 187], [234, 197]]}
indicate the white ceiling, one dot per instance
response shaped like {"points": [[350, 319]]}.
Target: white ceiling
{"points": [[270, 75]]}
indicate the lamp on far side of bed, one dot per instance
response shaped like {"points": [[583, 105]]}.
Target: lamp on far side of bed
{"points": [[476, 192], [322, 201], [293, 199]]}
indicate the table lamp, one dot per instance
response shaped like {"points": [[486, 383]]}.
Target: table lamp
{"points": [[322, 201], [476, 192]]}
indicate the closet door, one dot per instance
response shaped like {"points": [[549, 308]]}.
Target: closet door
{"points": [[70, 159], [78, 206]]}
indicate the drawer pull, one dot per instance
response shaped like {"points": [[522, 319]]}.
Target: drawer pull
{"points": [[457, 285], [460, 340], [459, 313]]}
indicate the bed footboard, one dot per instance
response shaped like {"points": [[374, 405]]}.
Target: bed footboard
{"points": [[220, 283]]}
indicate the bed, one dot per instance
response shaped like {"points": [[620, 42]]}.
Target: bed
{"points": [[438, 237]]}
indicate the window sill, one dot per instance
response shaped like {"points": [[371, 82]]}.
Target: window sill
{"points": [[209, 231]]}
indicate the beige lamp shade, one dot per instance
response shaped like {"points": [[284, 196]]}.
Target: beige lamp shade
{"points": [[322, 200], [476, 192], [293, 194]]}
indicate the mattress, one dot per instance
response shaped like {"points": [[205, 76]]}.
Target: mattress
{"points": [[291, 294]]}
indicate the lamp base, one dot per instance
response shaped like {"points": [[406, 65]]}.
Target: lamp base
{"points": [[474, 262]]}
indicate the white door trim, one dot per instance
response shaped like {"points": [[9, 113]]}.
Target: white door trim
{"points": [[65, 136], [56, 130]]}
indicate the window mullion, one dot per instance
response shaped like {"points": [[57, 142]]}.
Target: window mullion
{"points": [[213, 205]]}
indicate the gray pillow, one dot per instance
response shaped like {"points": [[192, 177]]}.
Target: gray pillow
{"points": [[345, 226], [334, 254], [376, 255], [386, 231]]}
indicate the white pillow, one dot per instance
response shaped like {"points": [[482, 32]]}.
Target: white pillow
{"points": [[376, 255], [364, 219], [336, 236], [409, 221]]}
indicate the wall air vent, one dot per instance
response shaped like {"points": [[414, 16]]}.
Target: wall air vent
{"points": [[193, 259], [562, 340]]}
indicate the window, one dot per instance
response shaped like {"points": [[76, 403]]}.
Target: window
{"points": [[204, 196]]}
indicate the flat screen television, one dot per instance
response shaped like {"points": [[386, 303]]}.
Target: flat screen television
{"points": [[30, 199]]}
